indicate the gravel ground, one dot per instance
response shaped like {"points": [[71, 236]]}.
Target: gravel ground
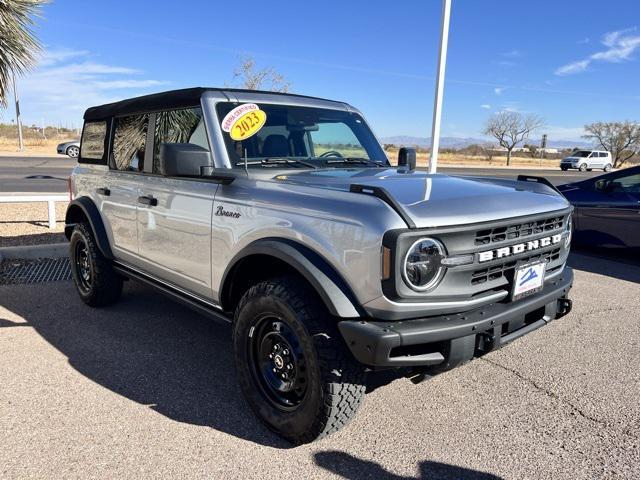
{"points": [[146, 389], [28, 224]]}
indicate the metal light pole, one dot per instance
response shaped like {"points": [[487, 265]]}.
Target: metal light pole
{"points": [[437, 107], [18, 123]]}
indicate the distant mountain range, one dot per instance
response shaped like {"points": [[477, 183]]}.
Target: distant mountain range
{"points": [[460, 142]]}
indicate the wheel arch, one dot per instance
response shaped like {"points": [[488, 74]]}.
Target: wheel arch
{"points": [[264, 258], [83, 209]]}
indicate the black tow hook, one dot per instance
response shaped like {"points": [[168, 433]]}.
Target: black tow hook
{"points": [[564, 307]]}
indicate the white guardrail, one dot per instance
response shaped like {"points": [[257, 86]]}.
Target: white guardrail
{"points": [[30, 198]]}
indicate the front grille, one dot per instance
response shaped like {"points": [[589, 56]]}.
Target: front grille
{"points": [[506, 269], [517, 231]]}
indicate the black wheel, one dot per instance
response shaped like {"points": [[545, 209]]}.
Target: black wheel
{"points": [[608, 167], [96, 281], [73, 151], [294, 369], [583, 167], [564, 169]]}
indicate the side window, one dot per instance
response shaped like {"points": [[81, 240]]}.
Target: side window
{"points": [[129, 142], [603, 154], [92, 143], [178, 126], [627, 184]]}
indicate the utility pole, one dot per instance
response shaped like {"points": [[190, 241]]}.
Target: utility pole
{"points": [[18, 123], [437, 107]]}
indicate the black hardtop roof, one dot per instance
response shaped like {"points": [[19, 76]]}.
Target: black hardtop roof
{"points": [[166, 100]]}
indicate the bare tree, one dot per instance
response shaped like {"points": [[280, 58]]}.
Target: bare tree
{"points": [[18, 46], [622, 139], [246, 76], [511, 128]]}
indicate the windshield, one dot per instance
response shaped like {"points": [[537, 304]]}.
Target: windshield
{"points": [[581, 154], [298, 137]]}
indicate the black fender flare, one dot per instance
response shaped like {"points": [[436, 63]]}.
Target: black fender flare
{"points": [[84, 207], [332, 289]]}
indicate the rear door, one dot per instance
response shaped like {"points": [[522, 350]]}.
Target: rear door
{"points": [[609, 211], [594, 160], [174, 222], [119, 191]]}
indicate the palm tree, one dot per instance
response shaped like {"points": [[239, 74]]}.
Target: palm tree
{"points": [[18, 46]]}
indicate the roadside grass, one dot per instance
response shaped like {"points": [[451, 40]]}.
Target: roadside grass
{"points": [[461, 159], [33, 138]]}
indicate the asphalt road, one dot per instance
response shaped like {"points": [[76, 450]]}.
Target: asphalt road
{"points": [[35, 174], [49, 174], [146, 389], [555, 176]]}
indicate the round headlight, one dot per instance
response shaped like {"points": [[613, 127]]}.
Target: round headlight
{"points": [[568, 228], [422, 268]]}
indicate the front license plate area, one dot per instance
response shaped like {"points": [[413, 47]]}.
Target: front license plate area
{"points": [[528, 279]]}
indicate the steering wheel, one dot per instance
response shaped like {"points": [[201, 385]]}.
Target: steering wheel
{"points": [[331, 153]]}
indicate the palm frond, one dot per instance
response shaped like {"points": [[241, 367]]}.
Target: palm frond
{"points": [[18, 44]]}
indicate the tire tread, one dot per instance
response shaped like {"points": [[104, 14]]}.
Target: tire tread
{"points": [[342, 376], [107, 284]]}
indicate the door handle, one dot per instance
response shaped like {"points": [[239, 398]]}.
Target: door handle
{"points": [[103, 191], [146, 200]]}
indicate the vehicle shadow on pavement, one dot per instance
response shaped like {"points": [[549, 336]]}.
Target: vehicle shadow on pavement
{"points": [[621, 267], [350, 467], [148, 349], [33, 239]]}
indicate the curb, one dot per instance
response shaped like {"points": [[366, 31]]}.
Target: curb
{"points": [[50, 250]]}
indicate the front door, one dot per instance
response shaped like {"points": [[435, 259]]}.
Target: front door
{"points": [[174, 214], [610, 215]]}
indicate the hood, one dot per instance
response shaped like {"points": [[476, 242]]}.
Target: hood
{"points": [[435, 200]]}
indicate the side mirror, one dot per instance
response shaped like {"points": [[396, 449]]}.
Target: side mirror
{"points": [[183, 160], [407, 158]]}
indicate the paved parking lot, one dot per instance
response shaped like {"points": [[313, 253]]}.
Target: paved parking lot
{"points": [[146, 389]]}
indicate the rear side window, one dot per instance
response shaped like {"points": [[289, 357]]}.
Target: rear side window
{"points": [[93, 140], [178, 126], [603, 154], [129, 142]]}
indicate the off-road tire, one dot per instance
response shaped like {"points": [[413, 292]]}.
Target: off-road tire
{"points": [[105, 284], [583, 167], [335, 380]]}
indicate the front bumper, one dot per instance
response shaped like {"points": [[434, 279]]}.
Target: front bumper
{"points": [[445, 341]]}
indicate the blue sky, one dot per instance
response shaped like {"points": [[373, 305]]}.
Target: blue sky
{"points": [[571, 62]]}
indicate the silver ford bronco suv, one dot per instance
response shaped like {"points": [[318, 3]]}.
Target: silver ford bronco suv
{"points": [[281, 215]]}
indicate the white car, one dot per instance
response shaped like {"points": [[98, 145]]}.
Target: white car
{"points": [[587, 160]]}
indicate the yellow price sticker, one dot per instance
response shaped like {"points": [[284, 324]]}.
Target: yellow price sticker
{"points": [[244, 121]]}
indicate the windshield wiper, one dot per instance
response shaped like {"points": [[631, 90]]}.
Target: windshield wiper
{"points": [[277, 161], [363, 160]]}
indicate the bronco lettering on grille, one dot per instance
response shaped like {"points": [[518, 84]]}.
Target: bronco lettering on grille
{"points": [[519, 248]]}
